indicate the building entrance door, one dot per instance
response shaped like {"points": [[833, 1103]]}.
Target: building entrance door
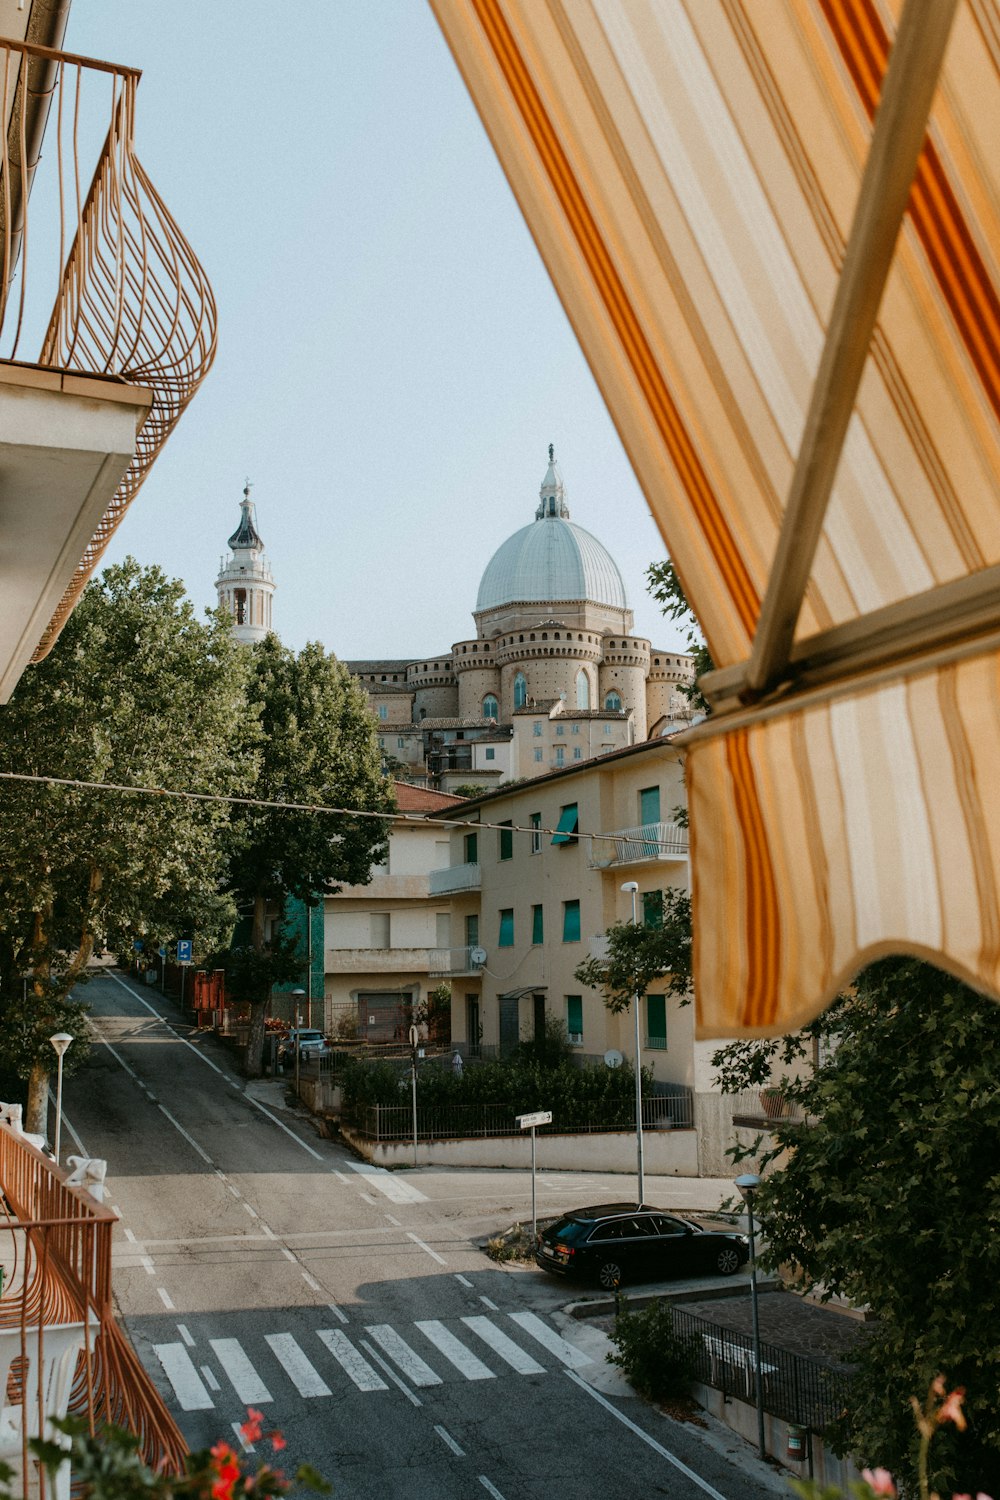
{"points": [[510, 1024], [538, 1003], [473, 1030]]}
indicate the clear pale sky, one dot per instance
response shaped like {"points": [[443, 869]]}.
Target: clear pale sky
{"points": [[393, 361]]}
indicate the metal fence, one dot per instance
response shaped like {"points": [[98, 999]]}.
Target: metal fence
{"points": [[796, 1389], [394, 1122]]}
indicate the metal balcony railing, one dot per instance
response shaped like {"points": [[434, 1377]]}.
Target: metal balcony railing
{"points": [[55, 1246], [629, 846], [453, 961], [456, 878], [130, 300]]}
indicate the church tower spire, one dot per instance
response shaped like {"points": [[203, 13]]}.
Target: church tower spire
{"points": [[245, 585], [552, 495]]}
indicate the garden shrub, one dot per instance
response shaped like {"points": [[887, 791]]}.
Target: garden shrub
{"points": [[658, 1362]]}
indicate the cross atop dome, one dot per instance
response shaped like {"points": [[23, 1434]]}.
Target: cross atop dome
{"points": [[552, 492]]}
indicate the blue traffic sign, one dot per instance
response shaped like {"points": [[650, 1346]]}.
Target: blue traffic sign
{"points": [[162, 951], [185, 949], [137, 945]]}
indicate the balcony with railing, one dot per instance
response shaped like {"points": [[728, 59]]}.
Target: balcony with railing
{"points": [[445, 961], [107, 328], [650, 842], [378, 960], [455, 878], [61, 1350]]}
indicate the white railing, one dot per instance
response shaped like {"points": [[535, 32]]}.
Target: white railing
{"points": [[629, 846], [452, 961], [455, 878]]}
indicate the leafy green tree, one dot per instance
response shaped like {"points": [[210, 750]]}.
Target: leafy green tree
{"points": [[316, 745], [664, 585], [640, 956], [890, 1197], [137, 691]]}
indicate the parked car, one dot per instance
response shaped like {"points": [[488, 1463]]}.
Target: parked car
{"points": [[311, 1044], [613, 1243]]}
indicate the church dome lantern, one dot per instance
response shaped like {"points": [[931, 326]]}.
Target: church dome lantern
{"points": [[245, 586]]}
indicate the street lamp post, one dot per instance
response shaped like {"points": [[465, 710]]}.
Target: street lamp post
{"points": [[59, 1042], [631, 888], [747, 1185], [297, 997]]}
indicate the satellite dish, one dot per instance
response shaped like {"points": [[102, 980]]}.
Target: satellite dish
{"points": [[613, 1058], [477, 957]]}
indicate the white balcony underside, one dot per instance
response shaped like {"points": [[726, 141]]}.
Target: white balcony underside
{"points": [[65, 443], [457, 878]]}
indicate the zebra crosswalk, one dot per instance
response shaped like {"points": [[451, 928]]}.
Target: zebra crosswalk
{"points": [[476, 1349]]}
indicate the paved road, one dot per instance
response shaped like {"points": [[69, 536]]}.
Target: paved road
{"points": [[257, 1264]]}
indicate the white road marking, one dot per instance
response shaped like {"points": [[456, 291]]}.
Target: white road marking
{"points": [[165, 1298], [412, 1366], [187, 1383], [356, 1366], [488, 1302], [650, 1441], [116, 1210], [246, 1382], [387, 1183], [342, 1175], [394, 1221], [268, 1231], [432, 1253], [446, 1437], [130, 1237], [369, 1199], [247, 1446], [210, 1379], [67, 1125], [463, 1279], [148, 1266], [550, 1340], [185, 1133], [467, 1363], [299, 1369], [287, 1254], [311, 1281], [338, 1312], [410, 1395], [511, 1353], [251, 1211], [235, 1191], [185, 1335], [490, 1489]]}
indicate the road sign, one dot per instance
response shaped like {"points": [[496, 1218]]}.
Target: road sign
{"points": [[137, 945], [162, 951], [185, 950], [540, 1117]]}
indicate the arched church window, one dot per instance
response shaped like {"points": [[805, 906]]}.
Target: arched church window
{"points": [[582, 689], [240, 606], [491, 708], [613, 702], [520, 690]]}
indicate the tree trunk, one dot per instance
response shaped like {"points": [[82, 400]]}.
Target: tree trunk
{"points": [[36, 1114]]}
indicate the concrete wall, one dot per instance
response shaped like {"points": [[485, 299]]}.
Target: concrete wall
{"points": [[741, 1417], [668, 1153]]}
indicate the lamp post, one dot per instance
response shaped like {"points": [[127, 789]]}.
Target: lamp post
{"points": [[747, 1185], [59, 1042], [631, 888], [297, 997]]}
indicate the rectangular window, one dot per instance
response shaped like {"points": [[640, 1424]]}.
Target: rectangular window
{"points": [[568, 823], [560, 729], [537, 925], [379, 929], [383, 712], [536, 728], [538, 754], [560, 755], [506, 840], [577, 753], [656, 1023], [471, 843], [472, 930], [652, 908], [506, 938], [490, 753], [571, 921], [649, 805], [576, 729], [535, 819], [442, 929], [400, 742], [574, 1019]]}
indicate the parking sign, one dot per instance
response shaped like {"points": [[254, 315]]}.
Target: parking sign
{"points": [[185, 948]]}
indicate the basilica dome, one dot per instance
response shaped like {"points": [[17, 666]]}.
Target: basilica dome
{"points": [[551, 560]]}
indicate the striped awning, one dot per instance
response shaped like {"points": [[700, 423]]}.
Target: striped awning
{"points": [[791, 307]]}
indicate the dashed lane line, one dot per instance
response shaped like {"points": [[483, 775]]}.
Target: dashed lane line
{"points": [[387, 1369], [432, 1253], [448, 1440]]}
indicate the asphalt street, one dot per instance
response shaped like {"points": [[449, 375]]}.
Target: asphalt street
{"points": [[257, 1264]]}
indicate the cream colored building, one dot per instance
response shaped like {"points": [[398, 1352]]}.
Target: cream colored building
{"points": [[531, 900]]}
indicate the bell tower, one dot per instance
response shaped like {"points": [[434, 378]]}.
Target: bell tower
{"points": [[245, 586]]}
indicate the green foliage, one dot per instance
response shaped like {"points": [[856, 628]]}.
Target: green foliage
{"points": [[639, 957], [251, 975], [891, 1197], [551, 1048], [513, 1245], [658, 1362], [665, 587]]}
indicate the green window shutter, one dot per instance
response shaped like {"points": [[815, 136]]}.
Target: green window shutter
{"points": [[566, 827], [649, 805], [574, 1016], [571, 921], [472, 848], [506, 939], [652, 908], [656, 1023], [537, 925], [506, 842]]}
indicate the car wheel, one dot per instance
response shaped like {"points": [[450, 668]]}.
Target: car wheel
{"points": [[610, 1275], [727, 1261]]}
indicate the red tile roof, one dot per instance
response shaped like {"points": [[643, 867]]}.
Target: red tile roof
{"points": [[421, 799]]}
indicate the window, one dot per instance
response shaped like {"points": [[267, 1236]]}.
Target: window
{"points": [[537, 925], [571, 921], [649, 805], [520, 690], [536, 728], [577, 753], [613, 702], [560, 755], [381, 743], [560, 729], [400, 742], [379, 929], [656, 1023], [582, 689], [472, 930], [490, 753], [535, 819], [574, 1019], [491, 708], [506, 938], [538, 755], [471, 843], [652, 908], [568, 823], [240, 606], [442, 929], [607, 731], [576, 729], [506, 841], [383, 712]]}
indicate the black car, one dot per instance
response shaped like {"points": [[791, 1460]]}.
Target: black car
{"points": [[613, 1243]]}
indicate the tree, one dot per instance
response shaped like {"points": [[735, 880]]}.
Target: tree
{"points": [[137, 691], [890, 1197], [316, 745], [640, 956], [665, 587]]}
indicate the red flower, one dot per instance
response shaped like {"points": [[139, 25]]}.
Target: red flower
{"points": [[950, 1409], [251, 1428], [880, 1481]]}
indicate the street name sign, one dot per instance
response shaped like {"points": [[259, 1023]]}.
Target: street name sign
{"points": [[540, 1117]]}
